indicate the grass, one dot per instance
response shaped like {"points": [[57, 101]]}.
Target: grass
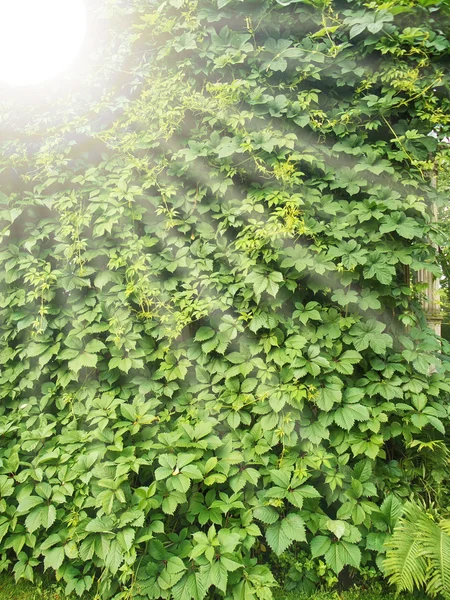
{"points": [[46, 590], [25, 590], [373, 591], [353, 594]]}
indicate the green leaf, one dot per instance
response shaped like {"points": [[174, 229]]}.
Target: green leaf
{"points": [[344, 364], [103, 524], [114, 558], [203, 334], [125, 537], [296, 342], [328, 395], [320, 544], [296, 527], [371, 334], [83, 360], [340, 554], [41, 516], [278, 538], [191, 587], [219, 575], [28, 503], [345, 416], [344, 298], [103, 278], [228, 146], [266, 514], [170, 503], [265, 281], [54, 558], [337, 527], [172, 572], [281, 534], [94, 346], [391, 509], [298, 257], [375, 541]]}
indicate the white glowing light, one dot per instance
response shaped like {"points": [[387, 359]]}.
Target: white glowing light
{"points": [[39, 38]]}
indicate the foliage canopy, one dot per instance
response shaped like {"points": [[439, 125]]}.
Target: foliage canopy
{"points": [[209, 345]]}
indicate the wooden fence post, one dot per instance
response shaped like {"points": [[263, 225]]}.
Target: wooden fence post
{"points": [[431, 302]]}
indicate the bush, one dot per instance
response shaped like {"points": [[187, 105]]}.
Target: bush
{"points": [[209, 345]]}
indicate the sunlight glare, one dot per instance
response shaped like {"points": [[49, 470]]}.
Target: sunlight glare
{"points": [[39, 38]]}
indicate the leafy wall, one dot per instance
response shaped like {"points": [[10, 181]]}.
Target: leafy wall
{"points": [[211, 343]]}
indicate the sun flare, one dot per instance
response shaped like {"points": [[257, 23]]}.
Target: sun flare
{"points": [[39, 38]]}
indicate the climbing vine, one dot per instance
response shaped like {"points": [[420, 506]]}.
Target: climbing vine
{"points": [[212, 346]]}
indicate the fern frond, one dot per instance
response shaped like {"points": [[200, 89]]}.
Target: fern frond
{"points": [[445, 525], [437, 544], [405, 563]]}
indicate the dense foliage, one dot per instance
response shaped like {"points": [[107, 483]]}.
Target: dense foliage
{"points": [[212, 346]]}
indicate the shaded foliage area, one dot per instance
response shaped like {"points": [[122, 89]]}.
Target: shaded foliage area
{"points": [[210, 347]]}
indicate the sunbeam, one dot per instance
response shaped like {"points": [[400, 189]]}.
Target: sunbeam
{"points": [[39, 40]]}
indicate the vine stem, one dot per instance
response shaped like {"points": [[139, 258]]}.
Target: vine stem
{"points": [[397, 139]]}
